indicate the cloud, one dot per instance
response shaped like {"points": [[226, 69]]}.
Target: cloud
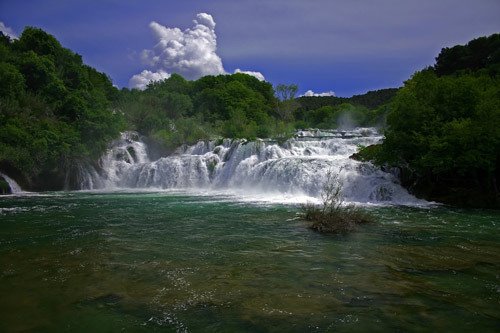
{"points": [[7, 31], [257, 75], [190, 53], [311, 93], [141, 81]]}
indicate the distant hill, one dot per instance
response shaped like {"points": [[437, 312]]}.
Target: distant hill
{"points": [[370, 100]]}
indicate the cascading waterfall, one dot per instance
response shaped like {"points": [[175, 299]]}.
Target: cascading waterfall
{"points": [[14, 187], [297, 167]]}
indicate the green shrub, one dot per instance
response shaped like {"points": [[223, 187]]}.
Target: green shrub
{"points": [[333, 216]]}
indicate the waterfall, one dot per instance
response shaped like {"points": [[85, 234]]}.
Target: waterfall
{"points": [[14, 187], [297, 167]]}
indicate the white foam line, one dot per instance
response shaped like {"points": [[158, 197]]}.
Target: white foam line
{"points": [[240, 196]]}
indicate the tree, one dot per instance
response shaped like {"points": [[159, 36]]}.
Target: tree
{"points": [[11, 81], [177, 105], [286, 103], [286, 92], [54, 111], [445, 131], [479, 53]]}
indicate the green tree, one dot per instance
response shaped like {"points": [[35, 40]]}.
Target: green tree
{"points": [[286, 103], [479, 53], [11, 81], [446, 131], [55, 112]]}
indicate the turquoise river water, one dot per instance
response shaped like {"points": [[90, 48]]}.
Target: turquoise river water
{"points": [[174, 262]]}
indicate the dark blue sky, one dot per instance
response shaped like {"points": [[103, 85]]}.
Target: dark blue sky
{"points": [[348, 46]]}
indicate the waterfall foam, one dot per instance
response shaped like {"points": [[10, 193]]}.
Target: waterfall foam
{"points": [[14, 187], [296, 168]]}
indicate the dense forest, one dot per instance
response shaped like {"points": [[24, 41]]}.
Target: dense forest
{"points": [[443, 131], [55, 112], [369, 109], [442, 128]]}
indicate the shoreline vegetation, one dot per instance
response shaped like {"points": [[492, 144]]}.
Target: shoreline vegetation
{"points": [[442, 128]]}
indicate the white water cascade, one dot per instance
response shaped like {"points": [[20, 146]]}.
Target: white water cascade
{"points": [[297, 167], [14, 187]]}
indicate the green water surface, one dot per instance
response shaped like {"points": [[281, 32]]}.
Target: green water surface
{"points": [[163, 262]]}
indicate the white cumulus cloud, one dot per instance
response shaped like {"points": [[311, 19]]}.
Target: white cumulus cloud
{"points": [[7, 31], [257, 75], [311, 93], [141, 81], [190, 53]]}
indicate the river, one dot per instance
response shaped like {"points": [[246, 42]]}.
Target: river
{"points": [[177, 262]]}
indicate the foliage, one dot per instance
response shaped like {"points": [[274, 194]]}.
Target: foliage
{"points": [[368, 153], [236, 106], [343, 116], [54, 110], [445, 129], [479, 53], [179, 132], [447, 123], [333, 216], [370, 100], [285, 101], [374, 99], [369, 109]]}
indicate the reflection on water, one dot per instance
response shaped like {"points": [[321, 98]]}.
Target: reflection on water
{"points": [[162, 262]]}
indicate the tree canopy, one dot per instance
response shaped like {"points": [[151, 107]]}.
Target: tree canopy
{"points": [[55, 112], [479, 53], [444, 126]]}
